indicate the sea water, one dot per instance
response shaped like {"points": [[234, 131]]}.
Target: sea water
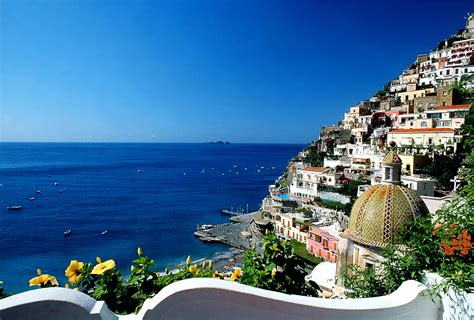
{"points": [[147, 195]]}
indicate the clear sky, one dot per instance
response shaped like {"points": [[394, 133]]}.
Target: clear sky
{"points": [[193, 71]]}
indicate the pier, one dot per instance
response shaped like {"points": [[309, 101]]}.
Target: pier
{"points": [[239, 234]]}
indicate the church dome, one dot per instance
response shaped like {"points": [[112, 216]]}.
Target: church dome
{"points": [[381, 212]]}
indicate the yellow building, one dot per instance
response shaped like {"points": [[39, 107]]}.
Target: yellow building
{"points": [[412, 162]]}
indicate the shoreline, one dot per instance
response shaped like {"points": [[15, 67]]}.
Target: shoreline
{"points": [[229, 234], [220, 260]]}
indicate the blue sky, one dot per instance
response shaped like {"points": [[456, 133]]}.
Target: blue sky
{"points": [[193, 71]]}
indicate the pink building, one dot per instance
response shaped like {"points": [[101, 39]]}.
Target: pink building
{"points": [[323, 242]]}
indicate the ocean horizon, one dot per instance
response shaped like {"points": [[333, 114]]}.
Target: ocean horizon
{"points": [[150, 195]]}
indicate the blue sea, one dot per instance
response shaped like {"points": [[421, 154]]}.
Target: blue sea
{"points": [[147, 195]]}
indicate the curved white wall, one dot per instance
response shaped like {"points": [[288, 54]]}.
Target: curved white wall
{"points": [[218, 299]]}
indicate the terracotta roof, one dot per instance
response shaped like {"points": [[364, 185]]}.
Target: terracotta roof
{"points": [[361, 160], [315, 169], [344, 178], [459, 106], [421, 130]]}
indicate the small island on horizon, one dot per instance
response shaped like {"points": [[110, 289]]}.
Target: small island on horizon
{"points": [[217, 142]]}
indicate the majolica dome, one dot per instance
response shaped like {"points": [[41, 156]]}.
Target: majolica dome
{"points": [[381, 212]]}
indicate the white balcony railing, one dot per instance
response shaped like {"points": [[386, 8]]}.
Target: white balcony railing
{"points": [[218, 299]]}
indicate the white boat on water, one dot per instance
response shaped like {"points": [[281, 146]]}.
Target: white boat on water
{"points": [[14, 208], [67, 233], [103, 233], [32, 199], [204, 227]]}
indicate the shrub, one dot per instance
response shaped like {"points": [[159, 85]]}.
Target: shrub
{"points": [[277, 269], [104, 282], [300, 250]]}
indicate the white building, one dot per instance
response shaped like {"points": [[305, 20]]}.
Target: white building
{"points": [[306, 180], [446, 116], [422, 186]]}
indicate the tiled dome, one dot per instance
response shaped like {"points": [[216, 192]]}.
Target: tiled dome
{"points": [[392, 157], [381, 212]]}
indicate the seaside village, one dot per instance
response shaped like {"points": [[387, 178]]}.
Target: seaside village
{"points": [[347, 194], [391, 162]]}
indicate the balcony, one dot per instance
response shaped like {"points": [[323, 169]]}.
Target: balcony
{"points": [[218, 299]]}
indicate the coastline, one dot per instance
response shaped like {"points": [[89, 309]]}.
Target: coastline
{"points": [[221, 260], [230, 234], [238, 232]]}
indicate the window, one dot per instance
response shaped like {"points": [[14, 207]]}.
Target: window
{"points": [[317, 238], [430, 141], [335, 245], [423, 124], [369, 265], [387, 174], [325, 243]]}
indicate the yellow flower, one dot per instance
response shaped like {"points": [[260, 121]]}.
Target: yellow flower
{"points": [[98, 259], [210, 264], [234, 277], [188, 260], [274, 272], [72, 272], [102, 267], [140, 251], [132, 268], [203, 264], [39, 272], [237, 271], [193, 269], [43, 280], [66, 286]]}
